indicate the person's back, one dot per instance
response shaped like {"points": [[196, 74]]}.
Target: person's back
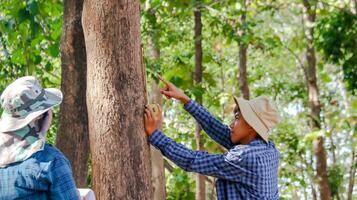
{"points": [[45, 175], [258, 166]]}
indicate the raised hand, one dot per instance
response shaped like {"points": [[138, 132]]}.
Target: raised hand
{"points": [[171, 91]]}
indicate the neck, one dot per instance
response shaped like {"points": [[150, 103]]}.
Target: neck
{"points": [[248, 139]]}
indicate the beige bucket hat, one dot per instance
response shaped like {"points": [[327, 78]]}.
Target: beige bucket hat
{"points": [[260, 113], [24, 100]]}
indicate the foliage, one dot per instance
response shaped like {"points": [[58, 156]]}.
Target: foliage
{"points": [[337, 38], [30, 39], [29, 44]]}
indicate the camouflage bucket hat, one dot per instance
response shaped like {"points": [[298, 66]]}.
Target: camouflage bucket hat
{"points": [[24, 100]]}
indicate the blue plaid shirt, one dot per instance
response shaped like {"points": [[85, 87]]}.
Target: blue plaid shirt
{"points": [[45, 175], [244, 171]]}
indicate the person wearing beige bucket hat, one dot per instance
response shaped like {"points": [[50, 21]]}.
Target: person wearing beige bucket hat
{"points": [[249, 168], [260, 113], [30, 168]]}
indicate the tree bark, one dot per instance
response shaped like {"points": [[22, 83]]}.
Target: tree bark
{"points": [[314, 103], [116, 97], [352, 176], [200, 179], [72, 137], [243, 48], [157, 160]]}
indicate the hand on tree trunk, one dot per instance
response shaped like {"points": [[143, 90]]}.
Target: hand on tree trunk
{"points": [[152, 118]]}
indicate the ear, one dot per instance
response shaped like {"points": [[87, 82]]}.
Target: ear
{"points": [[236, 109]]}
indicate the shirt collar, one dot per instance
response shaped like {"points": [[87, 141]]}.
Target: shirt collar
{"points": [[256, 142]]}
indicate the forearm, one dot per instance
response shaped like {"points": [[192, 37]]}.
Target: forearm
{"points": [[193, 161], [212, 126], [177, 153]]}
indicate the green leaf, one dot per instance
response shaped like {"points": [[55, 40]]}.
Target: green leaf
{"points": [[48, 67], [54, 50]]}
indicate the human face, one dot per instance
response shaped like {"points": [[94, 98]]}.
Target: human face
{"points": [[241, 131]]}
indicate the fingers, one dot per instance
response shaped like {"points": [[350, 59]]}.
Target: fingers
{"points": [[163, 80], [168, 84], [164, 89], [145, 117], [168, 94], [148, 112]]}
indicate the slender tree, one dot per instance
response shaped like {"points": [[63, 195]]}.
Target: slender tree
{"points": [[351, 180], [200, 179], [72, 137], [157, 160], [116, 97], [314, 102], [243, 48]]}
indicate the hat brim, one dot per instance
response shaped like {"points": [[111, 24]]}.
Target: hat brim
{"points": [[251, 118], [9, 123]]}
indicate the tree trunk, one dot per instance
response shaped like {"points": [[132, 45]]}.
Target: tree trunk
{"points": [[352, 176], [314, 103], [200, 179], [309, 163], [242, 68], [72, 137], [116, 97], [157, 160]]}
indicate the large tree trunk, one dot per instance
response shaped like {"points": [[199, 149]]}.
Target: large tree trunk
{"points": [[242, 68], [200, 179], [314, 103], [116, 97], [72, 137], [157, 160]]}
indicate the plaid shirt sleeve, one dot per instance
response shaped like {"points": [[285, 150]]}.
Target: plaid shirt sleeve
{"points": [[216, 165], [62, 182], [211, 125]]}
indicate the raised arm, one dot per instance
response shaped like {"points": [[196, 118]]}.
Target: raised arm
{"points": [[216, 165], [211, 125]]}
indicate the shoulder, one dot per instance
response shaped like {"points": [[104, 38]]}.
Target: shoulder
{"points": [[51, 153], [238, 153], [254, 150]]}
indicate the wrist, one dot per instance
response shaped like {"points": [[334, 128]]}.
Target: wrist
{"points": [[184, 99], [151, 131]]}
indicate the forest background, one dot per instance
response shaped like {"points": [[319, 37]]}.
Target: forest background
{"points": [[302, 53]]}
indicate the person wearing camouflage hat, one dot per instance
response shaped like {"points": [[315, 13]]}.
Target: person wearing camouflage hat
{"points": [[30, 168]]}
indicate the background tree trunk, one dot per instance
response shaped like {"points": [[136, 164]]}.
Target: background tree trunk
{"points": [[242, 68], [72, 137], [200, 179], [351, 181], [157, 160], [116, 97], [314, 103]]}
